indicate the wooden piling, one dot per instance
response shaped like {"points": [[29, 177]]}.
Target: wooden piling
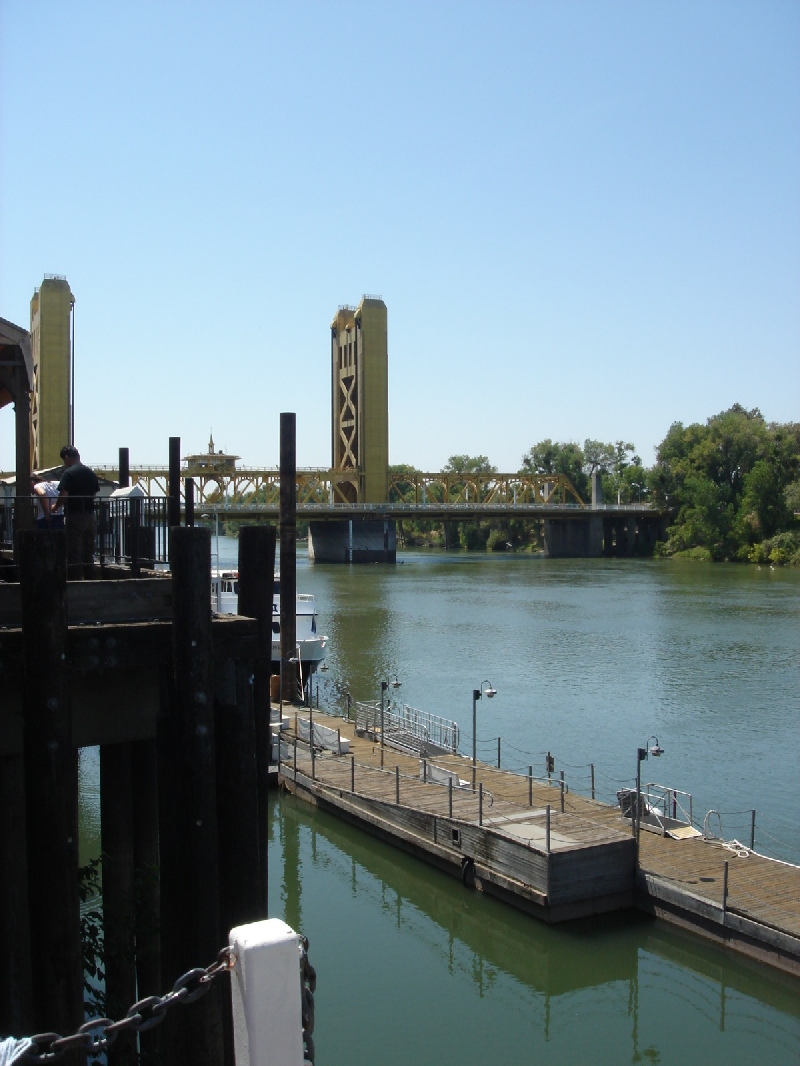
{"points": [[124, 468], [242, 867], [51, 779], [256, 581], [174, 484], [188, 496], [15, 960], [288, 560], [116, 832], [144, 761], [191, 931]]}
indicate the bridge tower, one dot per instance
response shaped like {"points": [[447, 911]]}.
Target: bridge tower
{"points": [[52, 393], [360, 398], [360, 436]]}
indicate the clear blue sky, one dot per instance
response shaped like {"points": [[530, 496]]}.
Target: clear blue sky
{"points": [[584, 217]]}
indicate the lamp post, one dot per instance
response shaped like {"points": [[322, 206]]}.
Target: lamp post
{"points": [[477, 694], [384, 686], [641, 754], [638, 487], [293, 660]]}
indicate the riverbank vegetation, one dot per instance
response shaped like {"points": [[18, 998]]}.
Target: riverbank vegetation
{"points": [[730, 485]]}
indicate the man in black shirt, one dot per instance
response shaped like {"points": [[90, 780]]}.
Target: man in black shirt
{"points": [[76, 492]]}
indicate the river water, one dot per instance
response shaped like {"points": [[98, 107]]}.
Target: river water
{"points": [[589, 659]]}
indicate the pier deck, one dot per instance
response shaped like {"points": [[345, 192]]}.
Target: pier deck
{"points": [[682, 881]]}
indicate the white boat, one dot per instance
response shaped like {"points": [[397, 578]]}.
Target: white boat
{"points": [[311, 645]]}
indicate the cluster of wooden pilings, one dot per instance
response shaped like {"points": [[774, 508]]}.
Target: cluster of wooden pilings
{"points": [[183, 779]]}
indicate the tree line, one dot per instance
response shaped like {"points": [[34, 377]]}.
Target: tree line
{"points": [[731, 487]]}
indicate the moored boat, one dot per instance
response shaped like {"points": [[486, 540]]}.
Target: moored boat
{"points": [[311, 645]]}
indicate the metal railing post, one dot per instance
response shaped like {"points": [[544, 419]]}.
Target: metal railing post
{"points": [[498, 753], [480, 803], [591, 765], [752, 830], [352, 773], [530, 786], [450, 797], [397, 785], [724, 891], [547, 829], [561, 786]]}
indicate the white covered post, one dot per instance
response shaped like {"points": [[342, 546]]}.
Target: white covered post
{"points": [[266, 988]]}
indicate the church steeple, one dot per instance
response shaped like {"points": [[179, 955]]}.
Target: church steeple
{"points": [[210, 442]]}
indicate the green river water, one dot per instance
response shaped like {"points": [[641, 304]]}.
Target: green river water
{"points": [[589, 659]]}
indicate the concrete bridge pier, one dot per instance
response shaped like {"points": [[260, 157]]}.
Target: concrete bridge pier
{"points": [[370, 540], [593, 535], [574, 537], [619, 536]]}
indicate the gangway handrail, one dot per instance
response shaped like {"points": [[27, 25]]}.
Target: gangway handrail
{"points": [[659, 796], [410, 722]]}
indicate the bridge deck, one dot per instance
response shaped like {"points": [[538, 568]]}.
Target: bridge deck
{"points": [[681, 880]]}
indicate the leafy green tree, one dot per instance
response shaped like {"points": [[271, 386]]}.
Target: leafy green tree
{"points": [[556, 457], [726, 482], [598, 456], [791, 495], [468, 464]]}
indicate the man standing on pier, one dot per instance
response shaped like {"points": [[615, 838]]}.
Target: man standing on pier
{"points": [[76, 492]]}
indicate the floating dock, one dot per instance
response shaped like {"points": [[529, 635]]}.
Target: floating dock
{"points": [[543, 849]]}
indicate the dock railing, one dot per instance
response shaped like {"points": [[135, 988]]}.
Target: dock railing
{"points": [[131, 531]]}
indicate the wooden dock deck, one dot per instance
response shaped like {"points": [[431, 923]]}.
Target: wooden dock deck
{"points": [[592, 865]]}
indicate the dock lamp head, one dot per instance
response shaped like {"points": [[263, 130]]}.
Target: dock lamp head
{"points": [[647, 751], [488, 691]]}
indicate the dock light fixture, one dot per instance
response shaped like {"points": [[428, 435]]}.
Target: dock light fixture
{"points": [[477, 694], [384, 686], [294, 660], [641, 754]]}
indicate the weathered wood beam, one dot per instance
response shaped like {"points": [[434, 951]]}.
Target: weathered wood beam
{"points": [[51, 780]]}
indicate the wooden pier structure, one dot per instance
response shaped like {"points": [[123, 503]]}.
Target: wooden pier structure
{"points": [[178, 703], [551, 852]]}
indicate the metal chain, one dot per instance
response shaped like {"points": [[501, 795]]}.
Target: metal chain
{"points": [[100, 1033]]}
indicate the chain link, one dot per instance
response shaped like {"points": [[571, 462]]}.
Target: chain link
{"points": [[100, 1033]]}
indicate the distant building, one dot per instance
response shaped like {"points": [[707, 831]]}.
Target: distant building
{"points": [[360, 396], [211, 462], [52, 392]]}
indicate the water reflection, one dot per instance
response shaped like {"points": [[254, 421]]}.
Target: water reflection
{"points": [[414, 961]]}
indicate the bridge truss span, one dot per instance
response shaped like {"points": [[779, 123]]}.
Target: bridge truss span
{"points": [[254, 487]]}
